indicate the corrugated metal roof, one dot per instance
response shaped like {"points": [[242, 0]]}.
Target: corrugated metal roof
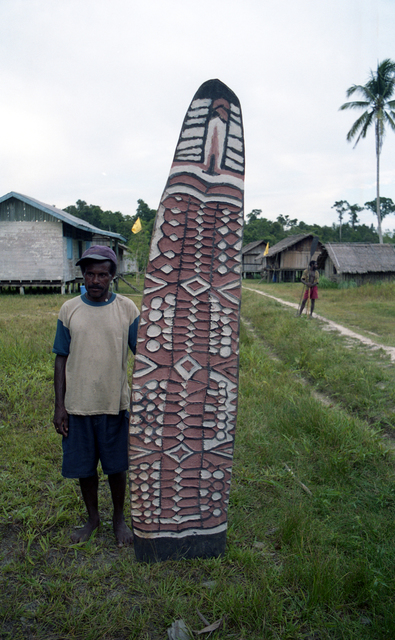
{"points": [[61, 215], [288, 242], [358, 257]]}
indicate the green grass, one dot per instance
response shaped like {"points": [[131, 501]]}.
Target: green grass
{"points": [[361, 379], [311, 538], [369, 309]]}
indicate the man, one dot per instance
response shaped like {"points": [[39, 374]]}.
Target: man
{"points": [[310, 278], [91, 388]]}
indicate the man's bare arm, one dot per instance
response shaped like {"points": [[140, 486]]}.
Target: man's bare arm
{"points": [[61, 418]]}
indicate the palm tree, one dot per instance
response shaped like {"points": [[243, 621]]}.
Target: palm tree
{"points": [[379, 109]]}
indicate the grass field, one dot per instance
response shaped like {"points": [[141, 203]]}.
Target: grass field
{"points": [[370, 309], [311, 541]]}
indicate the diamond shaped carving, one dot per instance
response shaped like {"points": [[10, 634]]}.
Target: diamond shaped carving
{"points": [[195, 286], [179, 453], [187, 367]]}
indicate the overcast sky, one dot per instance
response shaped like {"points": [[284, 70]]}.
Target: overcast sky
{"points": [[94, 92]]}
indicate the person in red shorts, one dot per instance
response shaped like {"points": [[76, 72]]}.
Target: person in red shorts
{"points": [[310, 278]]}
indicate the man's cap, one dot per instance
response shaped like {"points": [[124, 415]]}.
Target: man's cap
{"points": [[98, 252]]}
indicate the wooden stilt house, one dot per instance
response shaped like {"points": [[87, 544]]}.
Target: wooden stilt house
{"points": [[40, 244], [287, 259], [252, 256]]}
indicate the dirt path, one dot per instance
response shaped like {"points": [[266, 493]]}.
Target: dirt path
{"points": [[334, 326]]}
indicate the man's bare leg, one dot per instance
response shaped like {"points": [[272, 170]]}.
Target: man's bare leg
{"points": [[89, 488], [302, 307], [117, 482]]}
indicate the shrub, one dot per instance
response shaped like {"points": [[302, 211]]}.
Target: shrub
{"points": [[325, 283], [347, 284]]}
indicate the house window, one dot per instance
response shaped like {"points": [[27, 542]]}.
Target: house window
{"points": [[69, 248], [80, 252]]}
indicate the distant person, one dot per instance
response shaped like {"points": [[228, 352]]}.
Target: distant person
{"points": [[310, 279], [92, 396]]}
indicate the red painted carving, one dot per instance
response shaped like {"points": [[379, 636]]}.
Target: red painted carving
{"points": [[186, 369]]}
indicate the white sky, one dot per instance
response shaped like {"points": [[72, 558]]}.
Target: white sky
{"points": [[94, 92]]}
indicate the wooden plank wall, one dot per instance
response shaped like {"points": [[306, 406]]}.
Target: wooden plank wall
{"points": [[31, 251]]}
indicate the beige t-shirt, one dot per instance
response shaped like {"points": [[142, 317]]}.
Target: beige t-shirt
{"points": [[98, 336]]}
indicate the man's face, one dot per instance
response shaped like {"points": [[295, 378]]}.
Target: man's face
{"points": [[97, 277]]}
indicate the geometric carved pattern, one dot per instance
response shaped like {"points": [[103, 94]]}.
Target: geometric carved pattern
{"points": [[185, 380]]}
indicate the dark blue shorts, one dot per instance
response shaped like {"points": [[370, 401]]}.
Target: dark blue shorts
{"points": [[94, 438]]}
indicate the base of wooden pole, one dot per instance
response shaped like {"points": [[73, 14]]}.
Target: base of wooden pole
{"points": [[194, 546]]}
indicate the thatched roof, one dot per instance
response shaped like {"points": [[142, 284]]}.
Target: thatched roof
{"points": [[288, 242], [358, 257], [253, 245]]}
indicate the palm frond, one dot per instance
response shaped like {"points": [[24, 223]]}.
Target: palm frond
{"points": [[386, 69], [361, 125], [383, 82], [386, 88], [358, 104], [389, 90], [390, 119], [363, 89]]}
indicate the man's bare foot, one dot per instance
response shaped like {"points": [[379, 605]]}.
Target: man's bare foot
{"points": [[123, 534], [84, 533]]}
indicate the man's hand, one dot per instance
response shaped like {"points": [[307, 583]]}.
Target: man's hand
{"points": [[61, 421]]}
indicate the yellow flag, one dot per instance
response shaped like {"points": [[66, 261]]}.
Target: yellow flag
{"points": [[137, 226], [266, 250]]}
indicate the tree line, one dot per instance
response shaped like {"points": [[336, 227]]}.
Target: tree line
{"points": [[344, 208], [113, 221], [256, 227], [116, 222], [259, 228]]}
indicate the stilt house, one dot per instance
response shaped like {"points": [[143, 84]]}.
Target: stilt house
{"points": [[286, 260], [252, 256], [40, 244], [357, 261]]}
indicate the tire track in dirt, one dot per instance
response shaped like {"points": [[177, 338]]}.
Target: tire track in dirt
{"points": [[325, 400], [334, 326]]}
